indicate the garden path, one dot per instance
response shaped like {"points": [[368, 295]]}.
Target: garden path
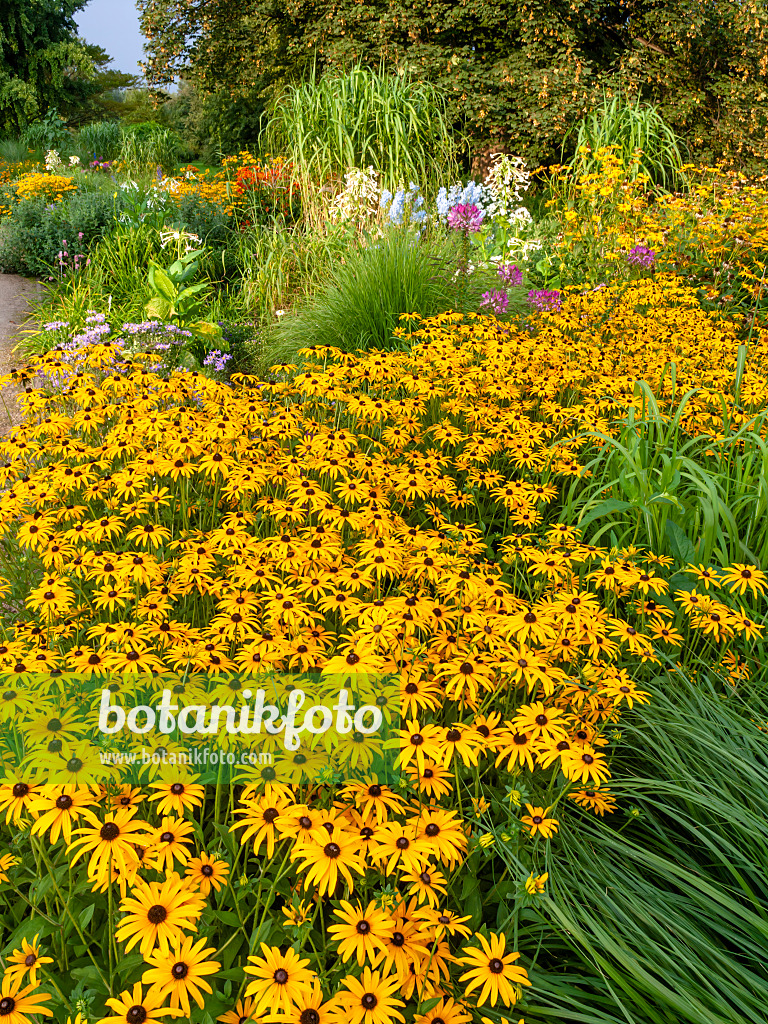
{"points": [[16, 296]]}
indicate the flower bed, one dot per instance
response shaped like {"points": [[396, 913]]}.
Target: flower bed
{"points": [[386, 515]]}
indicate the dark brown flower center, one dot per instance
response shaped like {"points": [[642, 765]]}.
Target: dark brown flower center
{"points": [[157, 914], [332, 850], [369, 1001], [110, 831], [495, 966], [136, 1015], [281, 976]]}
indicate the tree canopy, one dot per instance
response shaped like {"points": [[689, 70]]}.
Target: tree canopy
{"points": [[42, 62], [516, 72]]}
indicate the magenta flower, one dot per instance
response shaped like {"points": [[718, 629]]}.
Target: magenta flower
{"points": [[641, 256], [544, 300], [496, 300], [465, 217], [511, 275]]}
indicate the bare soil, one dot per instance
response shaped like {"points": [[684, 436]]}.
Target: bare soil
{"points": [[17, 297]]}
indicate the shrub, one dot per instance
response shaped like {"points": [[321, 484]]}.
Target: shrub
{"points": [[34, 233]]}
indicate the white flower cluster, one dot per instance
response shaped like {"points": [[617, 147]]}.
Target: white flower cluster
{"points": [[52, 160], [505, 183], [360, 198]]}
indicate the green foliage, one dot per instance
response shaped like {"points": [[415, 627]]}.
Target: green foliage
{"points": [[50, 132], [42, 62], [147, 146], [212, 124], [32, 236], [629, 127], [360, 302], [515, 74], [100, 140], [178, 299], [695, 499], [395, 124], [666, 918]]}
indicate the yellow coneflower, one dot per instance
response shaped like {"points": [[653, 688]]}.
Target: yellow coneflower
{"points": [[180, 972], [131, 1006], [17, 1003], [362, 933], [493, 971], [26, 960], [157, 913], [206, 873], [111, 842], [280, 979]]}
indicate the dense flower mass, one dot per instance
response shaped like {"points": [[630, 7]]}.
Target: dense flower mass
{"points": [[403, 520]]}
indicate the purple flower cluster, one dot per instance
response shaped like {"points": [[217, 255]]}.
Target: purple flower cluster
{"points": [[545, 300], [56, 325], [155, 327], [100, 165], [511, 275], [217, 360], [496, 300], [466, 217], [642, 256], [93, 336]]}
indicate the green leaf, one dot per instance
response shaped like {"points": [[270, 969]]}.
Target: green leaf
{"points": [[605, 508], [161, 283], [206, 329], [680, 543], [157, 308]]}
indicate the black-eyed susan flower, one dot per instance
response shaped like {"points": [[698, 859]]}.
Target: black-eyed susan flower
{"points": [[180, 972], [158, 913], [16, 798], [362, 933], [447, 1011], [585, 764], [111, 843], [368, 1000], [328, 861], [243, 1011], [177, 796], [137, 1008], [739, 578], [26, 961], [169, 842], [19, 1005], [493, 971], [58, 807], [279, 979], [206, 873], [538, 823]]}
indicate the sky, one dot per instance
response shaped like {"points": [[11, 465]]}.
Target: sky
{"points": [[114, 25]]}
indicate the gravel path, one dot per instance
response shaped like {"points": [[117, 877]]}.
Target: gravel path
{"points": [[17, 295]]}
